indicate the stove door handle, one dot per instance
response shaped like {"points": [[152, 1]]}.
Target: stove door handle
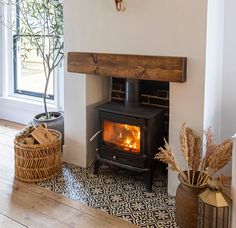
{"points": [[95, 135]]}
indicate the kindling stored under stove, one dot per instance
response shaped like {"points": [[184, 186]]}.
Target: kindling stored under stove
{"points": [[130, 134]]}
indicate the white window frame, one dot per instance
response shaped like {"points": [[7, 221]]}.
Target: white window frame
{"points": [[17, 107]]}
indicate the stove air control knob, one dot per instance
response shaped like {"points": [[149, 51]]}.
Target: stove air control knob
{"points": [[114, 157]]}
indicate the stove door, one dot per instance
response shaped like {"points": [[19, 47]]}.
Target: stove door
{"points": [[124, 137]]}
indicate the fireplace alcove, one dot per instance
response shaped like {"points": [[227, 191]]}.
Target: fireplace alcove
{"points": [[130, 133]]}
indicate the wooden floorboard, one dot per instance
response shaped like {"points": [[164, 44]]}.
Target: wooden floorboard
{"points": [[27, 205], [11, 125], [35, 210], [7, 222]]}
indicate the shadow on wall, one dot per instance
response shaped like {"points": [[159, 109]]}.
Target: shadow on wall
{"points": [[92, 127]]}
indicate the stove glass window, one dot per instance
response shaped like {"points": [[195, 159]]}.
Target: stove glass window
{"points": [[122, 136]]}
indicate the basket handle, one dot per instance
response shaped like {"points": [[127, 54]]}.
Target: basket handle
{"points": [[45, 126]]}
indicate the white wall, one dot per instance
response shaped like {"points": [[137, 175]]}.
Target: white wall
{"points": [[150, 27], [21, 110], [75, 119], [228, 120], [1, 51], [97, 91], [229, 72], [214, 67], [229, 92]]}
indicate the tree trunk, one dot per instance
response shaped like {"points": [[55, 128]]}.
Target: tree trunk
{"points": [[45, 95]]}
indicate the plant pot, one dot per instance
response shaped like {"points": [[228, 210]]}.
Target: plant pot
{"points": [[57, 123], [187, 204]]}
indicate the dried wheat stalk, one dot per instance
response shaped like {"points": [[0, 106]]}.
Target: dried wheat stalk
{"points": [[191, 155], [221, 156], [218, 159], [165, 155], [210, 147], [183, 142], [189, 135], [184, 146], [197, 158], [197, 153], [216, 156]]}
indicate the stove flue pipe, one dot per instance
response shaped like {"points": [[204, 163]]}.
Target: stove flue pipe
{"points": [[132, 93]]}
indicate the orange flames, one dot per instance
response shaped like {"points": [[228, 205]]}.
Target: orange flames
{"points": [[123, 136]]}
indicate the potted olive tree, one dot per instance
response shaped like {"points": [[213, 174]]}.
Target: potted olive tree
{"points": [[41, 24]]}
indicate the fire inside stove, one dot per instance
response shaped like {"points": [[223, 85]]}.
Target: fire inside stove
{"points": [[122, 136]]}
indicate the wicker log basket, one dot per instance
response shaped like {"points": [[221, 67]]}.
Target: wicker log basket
{"points": [[37, 162]]}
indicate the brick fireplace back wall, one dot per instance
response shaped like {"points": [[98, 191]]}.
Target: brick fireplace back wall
{"points": [[152, 93]]}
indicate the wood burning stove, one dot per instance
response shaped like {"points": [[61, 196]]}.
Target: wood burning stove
{"points": [[130, 134]]}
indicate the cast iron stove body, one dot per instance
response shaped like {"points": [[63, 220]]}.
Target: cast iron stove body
{"points": [[130, 137]]}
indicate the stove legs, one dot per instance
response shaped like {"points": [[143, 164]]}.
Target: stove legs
{"points": [[148, 178], [96, 167]]}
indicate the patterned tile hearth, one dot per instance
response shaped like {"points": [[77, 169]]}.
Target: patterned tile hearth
{"points": [[119, 192]]}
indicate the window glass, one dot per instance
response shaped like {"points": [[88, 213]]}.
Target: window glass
{"points": [[46, 22], [29, 78]]}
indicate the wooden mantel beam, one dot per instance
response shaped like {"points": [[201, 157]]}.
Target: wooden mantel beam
{"points": [[161, 68]]}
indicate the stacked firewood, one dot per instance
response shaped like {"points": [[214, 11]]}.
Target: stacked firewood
{"points": [[33, 135]]}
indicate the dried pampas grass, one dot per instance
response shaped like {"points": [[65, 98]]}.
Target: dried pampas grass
{"points": [[197, 158], [184, 142], [191, 145], [199, 169], [165, 155], [221, 156]]}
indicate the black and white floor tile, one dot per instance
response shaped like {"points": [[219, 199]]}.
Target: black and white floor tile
{"points": [[119, 192]]}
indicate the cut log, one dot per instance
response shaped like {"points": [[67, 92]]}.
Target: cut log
{"points": [[42, 135], [161, 68]]}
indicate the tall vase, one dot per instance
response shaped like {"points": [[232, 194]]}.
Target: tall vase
{"points": [[187, 204]]}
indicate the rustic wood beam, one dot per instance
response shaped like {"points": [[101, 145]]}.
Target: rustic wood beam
{"points": [[161, 68]]}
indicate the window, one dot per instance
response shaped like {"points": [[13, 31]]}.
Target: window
{"points": [[15, 95], [28, 66], [28, 71]]}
